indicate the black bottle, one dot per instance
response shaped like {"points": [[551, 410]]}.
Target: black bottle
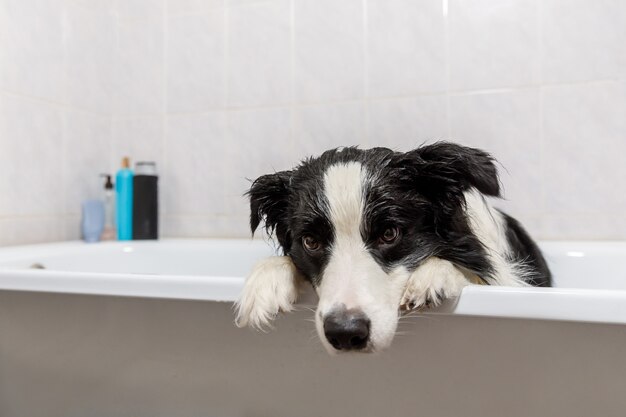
{"points": [[145, 201]]}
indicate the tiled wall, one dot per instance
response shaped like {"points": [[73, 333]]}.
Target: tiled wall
{"points": [[219, 90], [56, 85]]}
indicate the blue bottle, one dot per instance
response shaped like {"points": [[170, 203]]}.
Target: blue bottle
{"points": [[124, 201], [92, 223]]}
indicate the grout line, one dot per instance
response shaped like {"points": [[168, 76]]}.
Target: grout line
{"points": [[542, 150], [164, 46], [284, 105], [540, 84], [64, 170], [64, 119], [446, 41], [199, 12], [539, 43], [57, 104], [112, 137], [221, 215], [112, 165], [164, 122], [11, 216], [367, 137], [292, 81], [226, 118], [64, 40], [451, 93], [226, 57]]}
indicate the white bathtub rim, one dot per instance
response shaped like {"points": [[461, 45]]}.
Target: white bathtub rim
{"points": [[563, 304], [578, 305], [185, 287]]}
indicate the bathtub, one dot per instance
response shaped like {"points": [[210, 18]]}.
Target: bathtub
{"points": [[146, 329]]}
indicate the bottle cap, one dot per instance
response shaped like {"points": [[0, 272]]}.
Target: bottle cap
{"points": [[126, 162], [145, 168], [108, 185]]}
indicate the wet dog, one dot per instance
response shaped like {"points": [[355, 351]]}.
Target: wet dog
{"points": [[376, 230]]}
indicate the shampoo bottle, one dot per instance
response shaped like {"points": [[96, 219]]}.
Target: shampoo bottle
{"points": [[146, 201], [109, 232], [124, 201]]}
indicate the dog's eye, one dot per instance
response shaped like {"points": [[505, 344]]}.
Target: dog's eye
{"points": [[310, 244], [390, 235]]}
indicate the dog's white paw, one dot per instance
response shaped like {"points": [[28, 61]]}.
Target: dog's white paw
{"points": [[434, 281], [272, 287]]}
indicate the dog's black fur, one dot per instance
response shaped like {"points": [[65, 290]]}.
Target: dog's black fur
{"points": [[420, 192]]}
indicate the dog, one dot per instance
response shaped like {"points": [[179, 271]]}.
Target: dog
{"points": [[376, 231]]}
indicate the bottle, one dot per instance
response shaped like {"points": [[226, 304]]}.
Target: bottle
{"points": [[92, 220], [146, 201], [124, 201], [109, 232]]}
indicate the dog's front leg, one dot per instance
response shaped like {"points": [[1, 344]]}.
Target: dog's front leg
{"points": [[432, 282], [272, 287]]}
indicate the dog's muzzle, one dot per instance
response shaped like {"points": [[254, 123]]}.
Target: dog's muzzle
{"points": [[347, 329]]}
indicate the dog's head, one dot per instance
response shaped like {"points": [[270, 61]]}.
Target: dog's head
{"points": [[356, 223]]}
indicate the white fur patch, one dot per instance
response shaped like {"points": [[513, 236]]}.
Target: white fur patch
{"points": [[343, 188], [271, 288], [489, 227], [352, 277], [432, 282], [348, 264]]}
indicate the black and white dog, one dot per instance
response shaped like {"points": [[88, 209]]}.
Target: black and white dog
{"points": [[376, 230]]}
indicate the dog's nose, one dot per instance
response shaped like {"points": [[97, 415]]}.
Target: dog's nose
{"points": [[347, 330]]}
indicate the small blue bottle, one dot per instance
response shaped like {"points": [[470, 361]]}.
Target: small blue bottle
{"points": [[124, 201], [92, 223]]}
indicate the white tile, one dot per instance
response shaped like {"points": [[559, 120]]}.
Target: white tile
{"points": [[406, 48], [87, 155], [72, 227], [323, 127], [32, 50], [31, 139], [583, 227], [258, 142], [493, 43], [140, 74], [103, 6], [259, 54], [532, 223], [140, 139], [196, 78], [195, 171], [507, 125], [246, 2], [329, 38], [91, 41], [583, 40], [28, 230], [584, 129], [206, 226], [177, 7], [405, 123], [140, 9]]}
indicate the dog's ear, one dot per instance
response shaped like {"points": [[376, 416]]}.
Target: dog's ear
{"points": [[269, 196], [451, 168]]}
